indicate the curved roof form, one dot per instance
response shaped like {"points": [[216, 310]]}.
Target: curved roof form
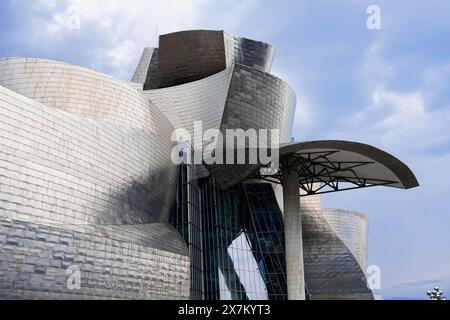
{"points": [[324, 166], [188, 56], [357, 161], [203, 100], [225, 100], [81, 91]]}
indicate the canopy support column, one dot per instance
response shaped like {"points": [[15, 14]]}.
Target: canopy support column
{"points": [[293, 236]]}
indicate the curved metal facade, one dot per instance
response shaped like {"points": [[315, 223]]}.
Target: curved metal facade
{"points": [[258, 100], [352, 228], [203, 100], [250, 53], [222, 81], [147, 61], [77, 187], [332, 272], [188, 56], [87, 181], [226, 83], [119, 156], [115, 262], [84, 92], [228, 100]]}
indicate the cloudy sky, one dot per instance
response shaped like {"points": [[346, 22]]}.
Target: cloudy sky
{"points": [[387, 87]]}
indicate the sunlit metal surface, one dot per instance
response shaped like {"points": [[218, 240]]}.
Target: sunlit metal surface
{"points": [[87, 180], [77, 176]]}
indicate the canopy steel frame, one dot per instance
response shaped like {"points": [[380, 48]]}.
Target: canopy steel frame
{"points": [[318, 174]]}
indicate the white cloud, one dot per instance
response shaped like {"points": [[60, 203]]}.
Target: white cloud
{"points": [[113, 28], [412, 124], [405, 122], [375, 70], [116, 31], [305, 119], [436, 78], [402, 121], [120, 55], [122, 30]]}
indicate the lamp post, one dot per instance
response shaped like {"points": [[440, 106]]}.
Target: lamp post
{"points": [[436, 294]]}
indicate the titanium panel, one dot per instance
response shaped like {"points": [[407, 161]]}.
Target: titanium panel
{"points": [[112, 263], [202, 100], [87, 180], [57, 166], [79, 191], [189, 56], [250, 53], [352, 228], [84, 92], [258, 100], [331, 270], [146, 63]]}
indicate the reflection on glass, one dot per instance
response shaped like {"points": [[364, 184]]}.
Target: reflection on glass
{"points": [[247, 268], [235, 237], [225, 293]]}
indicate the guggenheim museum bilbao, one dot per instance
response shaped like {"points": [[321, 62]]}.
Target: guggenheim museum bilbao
{"points": [[93, 205]]}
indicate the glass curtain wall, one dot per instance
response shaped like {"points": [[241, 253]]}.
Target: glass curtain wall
{"points": [[188, 221], [243, 243], [235, 238]]}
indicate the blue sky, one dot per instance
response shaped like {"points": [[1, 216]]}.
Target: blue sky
{"points": [[387, 87]]}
